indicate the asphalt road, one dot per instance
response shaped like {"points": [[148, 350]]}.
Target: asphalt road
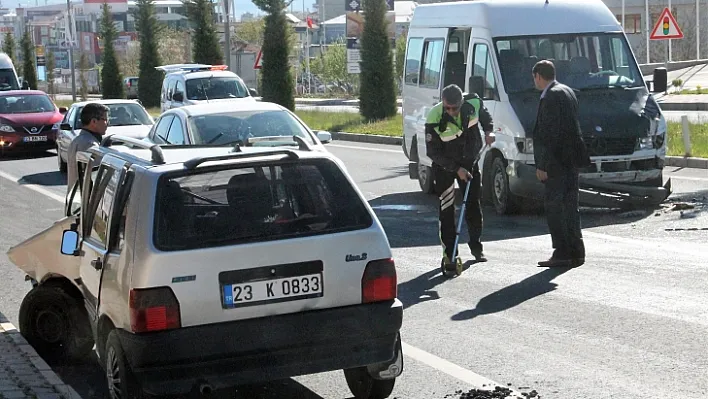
{"points": [[631, 323]]}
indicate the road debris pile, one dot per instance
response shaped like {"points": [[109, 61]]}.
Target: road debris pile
{"points": [[496, 393]]}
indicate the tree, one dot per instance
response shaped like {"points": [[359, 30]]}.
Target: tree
{"points": [[172, 45], [276, 73], [29, 70], [251, 32], [377, 97], [400, 58], [83, 81], [205, 43], [51, 64], [111, 78], [150, 79], [9, 45]]}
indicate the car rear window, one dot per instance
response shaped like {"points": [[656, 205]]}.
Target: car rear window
{"points": [[259, 203]]}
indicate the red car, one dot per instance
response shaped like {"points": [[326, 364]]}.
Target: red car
{"points": [[29, 121]]}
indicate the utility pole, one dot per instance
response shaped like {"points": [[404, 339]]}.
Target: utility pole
{"points": [[71, 50], [646, 25], [698, 31], [227, 35]]}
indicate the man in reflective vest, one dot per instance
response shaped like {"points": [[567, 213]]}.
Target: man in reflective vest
{"points": [[453, 142]]}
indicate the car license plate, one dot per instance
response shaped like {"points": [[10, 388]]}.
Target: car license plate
{"points": [[35, 138], [273, 290]]}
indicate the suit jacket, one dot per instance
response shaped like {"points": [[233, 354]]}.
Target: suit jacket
{"points": [[82, 142], [557, 138]]}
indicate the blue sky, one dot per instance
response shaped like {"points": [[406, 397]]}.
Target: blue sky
{"points": [[240, 6]]}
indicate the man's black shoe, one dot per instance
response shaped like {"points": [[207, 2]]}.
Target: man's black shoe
{"points": [[578, 262], [479, 256], [555, 262]]}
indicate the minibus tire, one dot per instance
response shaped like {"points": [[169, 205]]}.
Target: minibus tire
{"points": [[504, 202]]}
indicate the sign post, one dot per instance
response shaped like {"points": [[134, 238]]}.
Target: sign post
{"points": [[258, 63], [666, 28]]}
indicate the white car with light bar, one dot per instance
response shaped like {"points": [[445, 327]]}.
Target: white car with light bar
{"points": [[256, 123], [191, 84], [197, 269]]}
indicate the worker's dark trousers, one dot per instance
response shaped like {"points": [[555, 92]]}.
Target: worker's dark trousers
{"points": [[563, 215], [445, 189]]}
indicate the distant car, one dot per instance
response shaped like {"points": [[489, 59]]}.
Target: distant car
{"points": [[192, 84], [125, 117], [29, 121], [131, 87], [244, 123]]}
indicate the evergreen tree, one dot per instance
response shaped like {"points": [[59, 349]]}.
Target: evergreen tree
{"points": [[111, 78], [29, 70], [51, 64], [205, 43], [277, 78], [150, 79], [9, 46], [377, 97]]}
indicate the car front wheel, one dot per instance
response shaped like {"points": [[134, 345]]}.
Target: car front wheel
{"points": [[55, 324]]}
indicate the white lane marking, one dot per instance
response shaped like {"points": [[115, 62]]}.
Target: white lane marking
{"points": [[33, 187], [363, 148], [452, 369]]}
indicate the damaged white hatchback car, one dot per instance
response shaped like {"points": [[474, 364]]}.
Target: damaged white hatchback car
{"points": [[193, 269]]}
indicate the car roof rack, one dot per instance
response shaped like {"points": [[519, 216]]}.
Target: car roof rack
{"points": [[157, 155], [302, 144], [194, 162]]}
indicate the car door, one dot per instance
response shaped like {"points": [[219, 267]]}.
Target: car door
{"points": [[66, 135], [424, 87], [158, 135], [481, 63], [97, 227]]}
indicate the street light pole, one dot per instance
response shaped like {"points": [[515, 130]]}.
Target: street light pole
{"points": [[227, 35], [71, 51]]}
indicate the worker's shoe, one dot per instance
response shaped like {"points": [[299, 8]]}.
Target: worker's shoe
{"points": [[479, 256]]}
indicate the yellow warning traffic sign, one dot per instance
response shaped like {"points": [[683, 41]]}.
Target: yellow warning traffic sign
{"points": [[666, 27]]}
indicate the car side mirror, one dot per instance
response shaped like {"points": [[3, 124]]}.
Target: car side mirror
{"points": [[69, 242], [26, 86], [62, 110], [324, 136], [178, 97], [253, 92], [65, 126]]}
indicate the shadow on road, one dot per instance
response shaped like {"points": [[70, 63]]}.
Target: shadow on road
{"points": [[514, 295], [420, 289], [18, 156], [89, 381], [411, 219], [392, 173], [55, 178]]}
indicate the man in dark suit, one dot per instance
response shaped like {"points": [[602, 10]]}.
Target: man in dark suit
{"points": [[559, 152]]}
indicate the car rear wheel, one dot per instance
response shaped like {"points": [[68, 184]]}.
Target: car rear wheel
{"points": [[363, 386], [55, 324], [120, 380]]}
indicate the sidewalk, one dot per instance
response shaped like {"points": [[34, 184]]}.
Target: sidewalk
{"points": [[682, 102], [23, 374]]}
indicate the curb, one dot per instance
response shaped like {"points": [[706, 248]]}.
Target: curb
{"points": [[65, 390], [687, 162], [367, 138], [682, 162], [671, 106]]}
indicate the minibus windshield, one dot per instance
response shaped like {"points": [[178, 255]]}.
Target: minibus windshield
{"points": [[582, 61]]}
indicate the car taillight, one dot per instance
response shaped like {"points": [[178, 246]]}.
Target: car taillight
{"points": [[154, 309], [379, 282]]}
